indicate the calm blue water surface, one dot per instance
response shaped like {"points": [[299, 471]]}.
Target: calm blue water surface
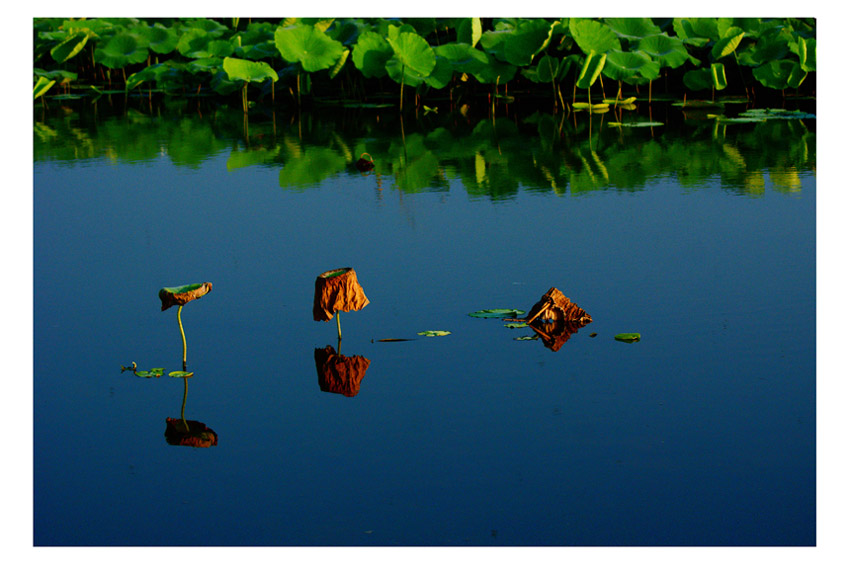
{"points": [[701, 433]]}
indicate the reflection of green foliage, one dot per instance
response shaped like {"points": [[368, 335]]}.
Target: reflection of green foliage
{"points": [[311, 166], [491, 158]]}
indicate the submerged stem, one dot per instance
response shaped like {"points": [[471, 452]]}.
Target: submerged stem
{"points": [[182, 334]]}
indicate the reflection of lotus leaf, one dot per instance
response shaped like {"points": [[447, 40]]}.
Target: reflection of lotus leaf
{"points": [[189, 433], [312, 167], [338, 373]]}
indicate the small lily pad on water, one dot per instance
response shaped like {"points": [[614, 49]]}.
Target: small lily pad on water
{"points": [[434, 333], [516, 325], [628, 337], [635, 124], [526, 338], [497, 313], [180, 374]]}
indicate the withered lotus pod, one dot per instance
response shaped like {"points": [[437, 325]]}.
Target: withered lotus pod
{"points": [[338, 373], [556, 307], [189, 433], [180, 295], [337, 291]]}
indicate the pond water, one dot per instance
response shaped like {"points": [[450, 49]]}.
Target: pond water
{"points": [[699, 235]]}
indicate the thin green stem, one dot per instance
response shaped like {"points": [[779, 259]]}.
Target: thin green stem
{"points": [[182, 334], [338, 327]]}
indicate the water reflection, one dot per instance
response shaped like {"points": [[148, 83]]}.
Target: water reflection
{"points": [[339, 373], [180, 431], [495, 158]]}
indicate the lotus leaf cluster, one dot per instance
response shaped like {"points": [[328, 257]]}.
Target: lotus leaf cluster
{"points": [[324, 57]]}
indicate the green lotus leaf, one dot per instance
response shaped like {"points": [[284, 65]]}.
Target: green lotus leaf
{"points": [[516, 326], [463, 58], [307, 45], [441, 75], [628, 337], [630, 66], [728, 43], [69, 47], [495, 71], [668, 51], [805, 50], [698, 79], [593, 65], [371, 53], [204, 65], [780, 74], [160, 39], [412, 53], [193, 43], [527, 40], [340, 63], [180, 374], [696, 31], [718, 75], [434, 333], [592, 36], [123, 49], [498, 313], [768, 48], [468, 31], [42, 85], [633, 29], [146, 374], [248, 71]]}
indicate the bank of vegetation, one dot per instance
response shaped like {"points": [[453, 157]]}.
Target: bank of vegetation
{"points": [[426, 62]]}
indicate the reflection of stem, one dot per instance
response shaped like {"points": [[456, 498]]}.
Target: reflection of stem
{"points": [[182, 334], [338, 327], [183, 407]]}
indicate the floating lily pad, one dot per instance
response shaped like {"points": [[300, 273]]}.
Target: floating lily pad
{"points": [[585, 106], [621, 101], [628, 337], [635, 124], [497, 313], [526, 338], [180, 374], [517, 325], [434, 333], [775, 114]]}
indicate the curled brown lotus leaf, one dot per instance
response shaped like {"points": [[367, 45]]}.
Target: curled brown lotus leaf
{"points": [[337, 290], [555, 306], [180, 295], [338, 373]]}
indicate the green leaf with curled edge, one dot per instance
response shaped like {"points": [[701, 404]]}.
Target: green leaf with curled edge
{"points": [[180, 374], [628, 337], [516, 325], [434, 333]]}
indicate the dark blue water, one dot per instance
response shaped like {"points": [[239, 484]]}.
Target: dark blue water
{"points": [[701, 433]]}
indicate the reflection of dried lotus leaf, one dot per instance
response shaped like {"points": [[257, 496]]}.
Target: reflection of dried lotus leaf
{"points": [[338, 373], [555, 306], [196, 435], [180, 295], [556, 334], [337, 290]]}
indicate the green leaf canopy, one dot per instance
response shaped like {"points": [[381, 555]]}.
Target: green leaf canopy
{"points": [[591, 35], [306, 45]]}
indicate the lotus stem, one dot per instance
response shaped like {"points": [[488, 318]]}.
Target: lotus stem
{"points": [[338, 327], [182, 334]]}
